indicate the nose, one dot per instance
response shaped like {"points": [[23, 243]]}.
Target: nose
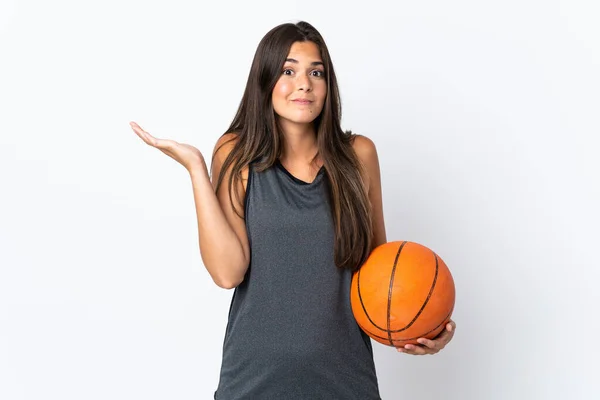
{"points": [[304, 82]]}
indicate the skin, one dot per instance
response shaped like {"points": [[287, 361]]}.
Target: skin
{"points": [[302, 77]]}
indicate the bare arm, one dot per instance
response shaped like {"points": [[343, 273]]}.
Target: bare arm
{"points": [[222, 234], [223, 243], [367, 154]]}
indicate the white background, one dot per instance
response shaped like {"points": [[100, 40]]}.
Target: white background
{"points": [[486, 118]]}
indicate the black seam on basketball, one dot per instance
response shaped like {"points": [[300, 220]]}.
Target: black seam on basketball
{"points": [[428, 296], [363, 304], [390, 291], [404, 339], [360, 295]]}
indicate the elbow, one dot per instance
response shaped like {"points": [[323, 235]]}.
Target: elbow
{"points": [[228, 276], [227, 284], [230, 281]]}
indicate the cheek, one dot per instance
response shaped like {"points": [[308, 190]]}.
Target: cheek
{"points": [[281, 90]]}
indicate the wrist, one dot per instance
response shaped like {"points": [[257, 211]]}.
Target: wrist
{"points": [[198, 169]]}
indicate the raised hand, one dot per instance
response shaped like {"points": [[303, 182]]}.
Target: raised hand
{"points": [[186, 155]]}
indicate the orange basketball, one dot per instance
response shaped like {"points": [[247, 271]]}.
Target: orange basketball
{"points": [[403, 291]]}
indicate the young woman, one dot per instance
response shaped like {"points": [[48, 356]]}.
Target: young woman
{"points": [[293, 208]]}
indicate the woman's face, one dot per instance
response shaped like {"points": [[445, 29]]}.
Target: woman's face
{"points": [[300, 92]]}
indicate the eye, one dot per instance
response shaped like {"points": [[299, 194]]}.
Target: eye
{"points": [[319, 73], [287, 70]]}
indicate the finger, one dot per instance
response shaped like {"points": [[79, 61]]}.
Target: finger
{"points": [[135, 126], [145, 136], [447, 333], [451, 326], [427, 343], [443, 338], [148, 138], [416, 350], [152, 141]]}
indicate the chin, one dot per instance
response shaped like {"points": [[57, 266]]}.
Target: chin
{"points": [[300, 119]]}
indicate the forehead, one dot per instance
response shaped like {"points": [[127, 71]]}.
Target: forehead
{"points": [[305, 51]]}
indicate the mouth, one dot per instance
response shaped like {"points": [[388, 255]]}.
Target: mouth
{"points": [[302, 101]]}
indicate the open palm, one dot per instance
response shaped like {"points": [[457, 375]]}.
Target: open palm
{"points": [[184, 154]]}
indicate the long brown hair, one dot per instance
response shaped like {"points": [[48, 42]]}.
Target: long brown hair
{"points": [[259, 139]]}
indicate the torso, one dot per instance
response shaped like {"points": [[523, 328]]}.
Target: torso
{"points": [[291, 332]]}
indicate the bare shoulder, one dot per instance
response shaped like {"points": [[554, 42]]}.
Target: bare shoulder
{"points": [[366, 152], [223, 147], [361, 141]]}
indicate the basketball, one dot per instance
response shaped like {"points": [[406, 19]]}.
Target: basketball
{"points": [[404, 291]]}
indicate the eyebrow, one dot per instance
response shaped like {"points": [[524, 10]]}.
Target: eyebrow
{"points": [[313, 64]]}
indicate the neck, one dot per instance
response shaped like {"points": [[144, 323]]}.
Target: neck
{"points": [[300, 143]]}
